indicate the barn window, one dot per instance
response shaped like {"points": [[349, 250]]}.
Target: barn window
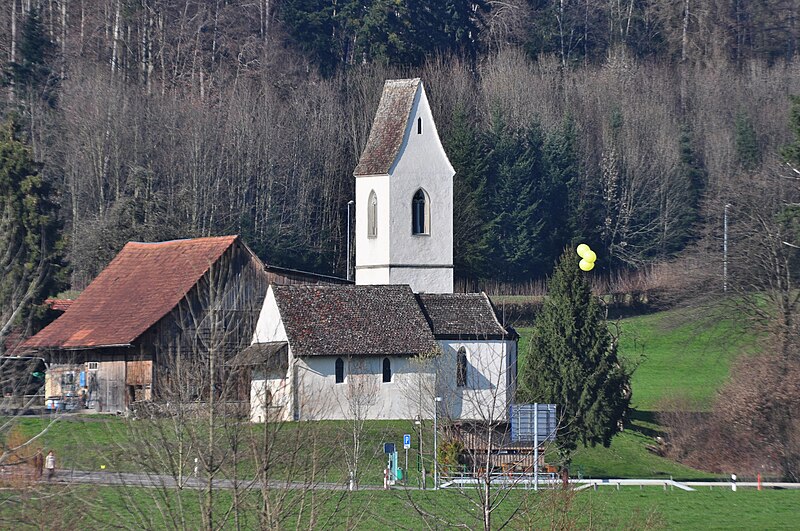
{"points": [[461, 367], [92, 365], [339, 368], [387, 370], [420, 213], [372, 215], [419, 126]]}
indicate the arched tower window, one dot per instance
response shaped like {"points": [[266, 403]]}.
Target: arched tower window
{"points": [[387, 370], [372, 215], [420, 213], [339, 369], [419, 126], [461, 367]]}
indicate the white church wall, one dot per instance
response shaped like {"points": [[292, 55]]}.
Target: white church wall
{"points": [[270, 397], [363, 393], [372, 251], [423, 280], [270, 328], [489, 385]]}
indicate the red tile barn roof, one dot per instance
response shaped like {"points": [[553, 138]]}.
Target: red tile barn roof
{"points": [[389, 127], [139, 287]]}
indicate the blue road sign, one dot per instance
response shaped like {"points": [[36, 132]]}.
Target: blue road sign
{"points": [[406, 441], [388, 448]]}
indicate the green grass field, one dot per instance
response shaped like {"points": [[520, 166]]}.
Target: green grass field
{"points": [[89, 442], [629, 508], [680, 354]]}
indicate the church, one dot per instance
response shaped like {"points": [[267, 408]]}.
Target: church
{"points": [[399, 340], [303, 346]]}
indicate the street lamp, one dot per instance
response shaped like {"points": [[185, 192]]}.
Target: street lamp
{"points": [[421, 459], [349, 204], [436, 442]]}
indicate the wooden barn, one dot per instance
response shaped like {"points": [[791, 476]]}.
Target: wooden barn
{"points": [[159, 322]]}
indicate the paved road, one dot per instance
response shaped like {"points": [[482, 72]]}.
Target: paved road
{"points": [[162, 480]]}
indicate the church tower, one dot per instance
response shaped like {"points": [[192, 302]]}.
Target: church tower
{"points": [[404, 196]]}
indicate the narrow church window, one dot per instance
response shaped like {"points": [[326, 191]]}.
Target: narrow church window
{"points": [[339, 369], [387, 370], [461, 368], [420, 213], [372, 215], [419, 126]]}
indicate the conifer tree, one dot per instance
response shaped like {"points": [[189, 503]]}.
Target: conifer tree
{"points": [[30, 254], [32, 75], [470, 241], [791, 152], [573, 363], [518, 220], [563, 173], [748, 152]]}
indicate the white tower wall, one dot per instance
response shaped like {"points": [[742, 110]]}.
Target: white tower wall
{"points": [[396, 255]]}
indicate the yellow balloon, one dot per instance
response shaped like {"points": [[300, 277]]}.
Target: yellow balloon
{"points": [[585, 265], [589, 256], [582, 248]]}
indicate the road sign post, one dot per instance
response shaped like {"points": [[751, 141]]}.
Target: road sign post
{"points": [[406, 446]]}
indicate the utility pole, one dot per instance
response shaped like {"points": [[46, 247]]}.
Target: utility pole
{"points": [[349, 204], [725, 248], [436, 442]]}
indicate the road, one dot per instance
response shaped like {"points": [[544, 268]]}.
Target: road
{"points": [[165, 481]]}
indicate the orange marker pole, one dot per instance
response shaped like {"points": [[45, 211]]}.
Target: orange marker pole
{"points": [[759, 481]]}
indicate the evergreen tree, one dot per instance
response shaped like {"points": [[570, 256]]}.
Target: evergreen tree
{"points": [[30, 249], [573, 363], [314, 26], [470, 241], [562, 182], [383, 31], [791, 152], [748, 152], [680, 200], [31, 74], [517, 224]]}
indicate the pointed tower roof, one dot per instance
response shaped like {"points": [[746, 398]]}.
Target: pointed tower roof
{"points": [[389, 127]]}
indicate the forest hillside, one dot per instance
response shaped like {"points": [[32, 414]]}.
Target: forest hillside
{"points": [[626, 124]]}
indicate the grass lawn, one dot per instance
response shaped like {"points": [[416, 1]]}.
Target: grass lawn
{"points": [[89, 442], [650, 508], [628, 457], [681, 354]]}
